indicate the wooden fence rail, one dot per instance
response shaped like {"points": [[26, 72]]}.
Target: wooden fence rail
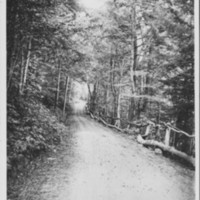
{"points": [[163, 145]]}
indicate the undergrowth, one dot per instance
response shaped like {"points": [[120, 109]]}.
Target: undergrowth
{"points": [[32, 129]]}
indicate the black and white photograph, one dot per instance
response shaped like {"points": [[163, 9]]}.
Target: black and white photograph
{"points": [[101, 99]]}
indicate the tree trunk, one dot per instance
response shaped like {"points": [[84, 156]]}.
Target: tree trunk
{"points": [[13, 63], [90, 97], [141, 101], [169, 149], [69, 93], [139, 108], [106, 94], [21, 72], [145, 92], [158, 117], [133, 62], [25, 71], [66, 89], [58, 85], [113, 90], [96, 100], [93, 96], [118, 122]]}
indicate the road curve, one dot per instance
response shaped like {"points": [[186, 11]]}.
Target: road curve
{"points": [[97, 163]]}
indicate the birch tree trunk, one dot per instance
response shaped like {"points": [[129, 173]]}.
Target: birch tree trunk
{"points": [[26, 65], [58, 85], [66, 89], [21, 72]]}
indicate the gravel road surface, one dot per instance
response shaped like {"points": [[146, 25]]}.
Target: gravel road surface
{"points": [[96, 163]]}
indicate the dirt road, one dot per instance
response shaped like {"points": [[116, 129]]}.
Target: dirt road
{"points": [[95, 163]]}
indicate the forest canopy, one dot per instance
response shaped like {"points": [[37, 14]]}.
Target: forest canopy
{"points": [[136, 58]]}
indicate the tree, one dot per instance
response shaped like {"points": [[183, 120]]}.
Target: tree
{"points": [[148, 37]]}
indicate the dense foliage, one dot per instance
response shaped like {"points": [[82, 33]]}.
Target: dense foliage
{"points": [[40, 54], [144, 56], [137, 59], [140, 56]]}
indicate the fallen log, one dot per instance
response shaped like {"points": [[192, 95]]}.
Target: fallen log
{"points": [[105, 123], [130, 123], [111, 126], [169, 149]]}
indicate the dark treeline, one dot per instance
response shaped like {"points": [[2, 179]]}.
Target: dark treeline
{"points": [[41, 62]]}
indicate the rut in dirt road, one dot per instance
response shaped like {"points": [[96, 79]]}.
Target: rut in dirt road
{"points": [[99, 164]]}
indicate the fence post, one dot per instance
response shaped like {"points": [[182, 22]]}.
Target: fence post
{"points": [[192, 146], [147, 130], [158, 132], [167, 136]]}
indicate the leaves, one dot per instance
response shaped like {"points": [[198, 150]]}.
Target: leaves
{"points": [[138, 58]]}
